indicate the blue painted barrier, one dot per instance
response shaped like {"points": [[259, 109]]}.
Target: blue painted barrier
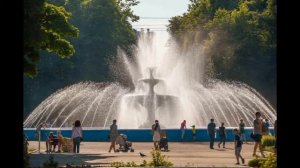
{"points": [[136, 135]]}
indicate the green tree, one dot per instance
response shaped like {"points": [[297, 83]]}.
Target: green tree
{"points": [[240, 39], [104, 27], [46, 27]]}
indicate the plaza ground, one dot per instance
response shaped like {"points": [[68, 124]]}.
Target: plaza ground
{"points": [[185, 154]]}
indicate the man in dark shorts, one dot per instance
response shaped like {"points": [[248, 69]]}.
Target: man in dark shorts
{"points": [[257, 134]]}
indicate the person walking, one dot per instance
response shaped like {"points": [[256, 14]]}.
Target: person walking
{"points": [[257, 134], [211, 130], [76, 136], [242, 131], [238, 147], [222, 135], [113, 135], [182, 128]]}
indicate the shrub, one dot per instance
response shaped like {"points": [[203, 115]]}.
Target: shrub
{"points": [[257, 162], [269, 162], [124, 164], [159, 160], [144, 164], [268, 140], [269, 149], [50, 163]]}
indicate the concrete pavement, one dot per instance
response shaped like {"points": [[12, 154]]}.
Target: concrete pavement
{"points": [[185, 154]]}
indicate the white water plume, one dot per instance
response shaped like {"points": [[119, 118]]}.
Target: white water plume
{"points": [[168, 86]]}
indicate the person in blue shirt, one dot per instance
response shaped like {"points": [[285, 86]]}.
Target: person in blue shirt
{"points": [[211, 130], [238, 147]]}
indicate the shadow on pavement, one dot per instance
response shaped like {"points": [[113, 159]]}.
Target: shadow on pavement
{"points": [[37, 160]]}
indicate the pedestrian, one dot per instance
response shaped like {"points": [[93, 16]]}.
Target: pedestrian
{"points": [[211, 130], [194, 132], [222, 135], [76, 136], [242, 131], [267, 125], [113, 135], [182, 128], [156, 134], [238, 147], [257, 134]]}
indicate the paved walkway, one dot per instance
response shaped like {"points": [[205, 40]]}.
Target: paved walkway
{"points": [[187, 154]]}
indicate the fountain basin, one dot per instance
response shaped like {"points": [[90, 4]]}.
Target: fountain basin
{"points": [[137, 135]]}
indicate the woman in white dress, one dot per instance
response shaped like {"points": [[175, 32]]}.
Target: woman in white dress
{"points": [[156, 134]]}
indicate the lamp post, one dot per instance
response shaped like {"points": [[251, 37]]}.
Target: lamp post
{"points": [[39, 129]]}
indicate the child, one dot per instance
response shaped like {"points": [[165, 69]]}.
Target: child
{"points": [[194, 132], [238, 146], [164, 141]]}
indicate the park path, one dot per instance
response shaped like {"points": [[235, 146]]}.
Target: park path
{"points": [[186, 154]]}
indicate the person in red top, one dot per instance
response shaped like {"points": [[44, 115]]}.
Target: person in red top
{"points": [[182, 128]]}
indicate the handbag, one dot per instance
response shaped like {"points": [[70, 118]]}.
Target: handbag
{"points": [[81, 139]]}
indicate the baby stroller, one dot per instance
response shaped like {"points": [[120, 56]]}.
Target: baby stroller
{"points": [[124, 145], [163, 143]]}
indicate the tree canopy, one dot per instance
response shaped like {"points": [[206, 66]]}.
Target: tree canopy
{"points": [[104, 27], [239, 38], [46, 27]]}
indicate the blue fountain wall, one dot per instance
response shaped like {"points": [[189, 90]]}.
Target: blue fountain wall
{"points": [[136, 135]]}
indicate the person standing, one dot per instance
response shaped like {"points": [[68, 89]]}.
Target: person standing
{"points": [[238, 146], [257, 134], [113, 135], [76, 136], [156, 134], [267, 125], [242, 130], [211, 130], [222, 134], [194, 132], [182, 128]]}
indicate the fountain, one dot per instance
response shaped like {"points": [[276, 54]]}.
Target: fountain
{"points": [[172, 91], [151, 101]]}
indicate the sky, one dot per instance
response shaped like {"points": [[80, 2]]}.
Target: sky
{"points": [[154, 14]]}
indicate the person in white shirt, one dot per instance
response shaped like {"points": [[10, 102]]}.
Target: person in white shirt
{"points": [[76, 136]]}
